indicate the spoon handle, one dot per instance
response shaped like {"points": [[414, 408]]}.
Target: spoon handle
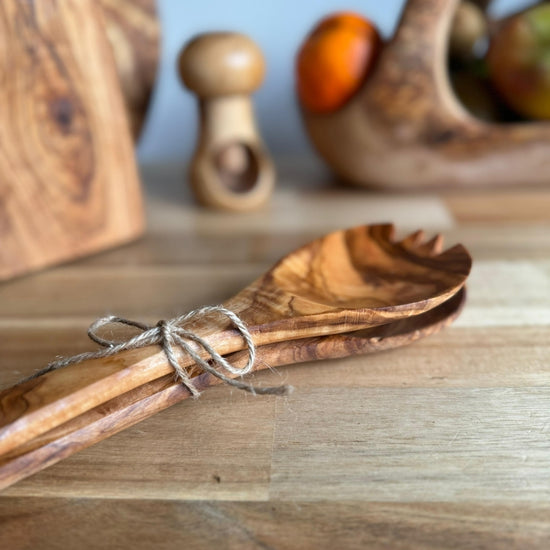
{"points": [[144, 401], [36, 406]]}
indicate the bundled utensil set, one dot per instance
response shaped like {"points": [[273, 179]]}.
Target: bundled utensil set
{"points": [[351, 292]]}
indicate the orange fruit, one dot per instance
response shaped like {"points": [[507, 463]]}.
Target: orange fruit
{"points": [[335, 60]]}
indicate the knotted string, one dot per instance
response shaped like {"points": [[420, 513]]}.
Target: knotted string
{"points": [[169, 335]]}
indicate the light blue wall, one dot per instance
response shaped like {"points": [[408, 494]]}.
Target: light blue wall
{"points": [[278, 27]]}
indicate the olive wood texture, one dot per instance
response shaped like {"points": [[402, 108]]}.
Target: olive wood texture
{"points": [[345, 281], [133, 31], [231, 168], [68, 180], [130, 408], [406, 129]]}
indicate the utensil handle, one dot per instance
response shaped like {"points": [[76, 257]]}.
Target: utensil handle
{"points": [[36, 406], [89, 428], [140, 403]]}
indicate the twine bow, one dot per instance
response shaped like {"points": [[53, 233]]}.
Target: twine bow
{"points": [[168, 335]]}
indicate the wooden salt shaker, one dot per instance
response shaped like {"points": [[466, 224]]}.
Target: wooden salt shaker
{"points": [[230, 169]]}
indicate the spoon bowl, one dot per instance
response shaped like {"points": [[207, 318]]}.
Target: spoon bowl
{"points": [[350, 279]]}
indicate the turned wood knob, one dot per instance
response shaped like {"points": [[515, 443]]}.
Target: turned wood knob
{"points": [[230, 168]]}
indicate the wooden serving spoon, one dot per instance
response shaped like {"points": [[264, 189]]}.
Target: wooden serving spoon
{"points": [[345, 281], [132, 407]]}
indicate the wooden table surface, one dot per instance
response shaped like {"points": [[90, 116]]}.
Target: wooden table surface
{"points": [[443, 444]]}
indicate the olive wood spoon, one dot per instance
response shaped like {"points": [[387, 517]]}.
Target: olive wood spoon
{"points": [[140, 403], [347, 280]]}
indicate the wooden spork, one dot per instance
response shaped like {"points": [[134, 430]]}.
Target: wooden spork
{"points": [[345, 281]]}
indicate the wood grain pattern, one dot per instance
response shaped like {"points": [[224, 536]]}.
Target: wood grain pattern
{"points": [[133, 31], [68, 181], [461, 415], [405, 128], [418, 431], [347, 280], [279, 524]]}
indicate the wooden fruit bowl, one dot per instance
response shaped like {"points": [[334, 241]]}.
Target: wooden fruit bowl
{"points": [[406, 129]]}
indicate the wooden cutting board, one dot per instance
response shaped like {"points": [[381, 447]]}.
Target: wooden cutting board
{"points": [[68, 180]]}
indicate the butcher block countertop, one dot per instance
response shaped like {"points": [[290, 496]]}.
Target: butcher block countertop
{"points": [[442, 444]]}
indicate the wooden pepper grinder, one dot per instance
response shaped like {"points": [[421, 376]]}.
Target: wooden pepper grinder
{"points": [[230, 169]]}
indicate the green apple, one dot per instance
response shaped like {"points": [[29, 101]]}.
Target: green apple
{"points": [[519, 62]]}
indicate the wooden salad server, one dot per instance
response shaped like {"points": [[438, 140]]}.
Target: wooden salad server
{"points": [[130, 408], [345, 281]]}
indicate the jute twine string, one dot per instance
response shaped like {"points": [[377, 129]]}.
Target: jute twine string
{"points": [[169, 335]]}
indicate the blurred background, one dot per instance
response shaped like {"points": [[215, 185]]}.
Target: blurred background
{"points": [[278, 28]]}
